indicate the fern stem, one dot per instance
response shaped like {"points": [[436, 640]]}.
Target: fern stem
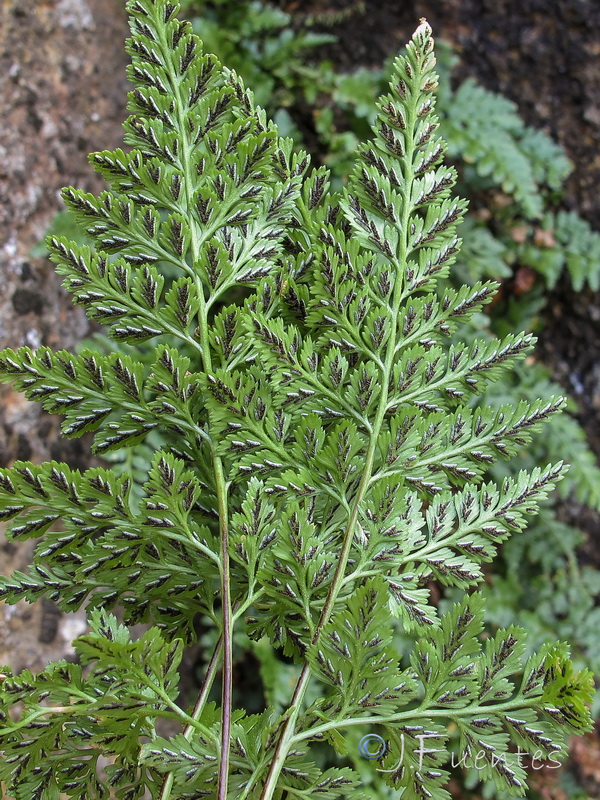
{"points": [[227, 682], [226, 605], [286, 737], [207, 683], [413, 714], [227, 611], [197, 237], [221, 491]]}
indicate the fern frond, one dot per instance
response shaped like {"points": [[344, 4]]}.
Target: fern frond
{"points": [[321, 458]]}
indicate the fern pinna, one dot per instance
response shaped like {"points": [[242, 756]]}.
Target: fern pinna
{"points": [[322, 461]]}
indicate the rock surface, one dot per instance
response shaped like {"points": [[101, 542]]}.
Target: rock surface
{"points": [[62, 95]]}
